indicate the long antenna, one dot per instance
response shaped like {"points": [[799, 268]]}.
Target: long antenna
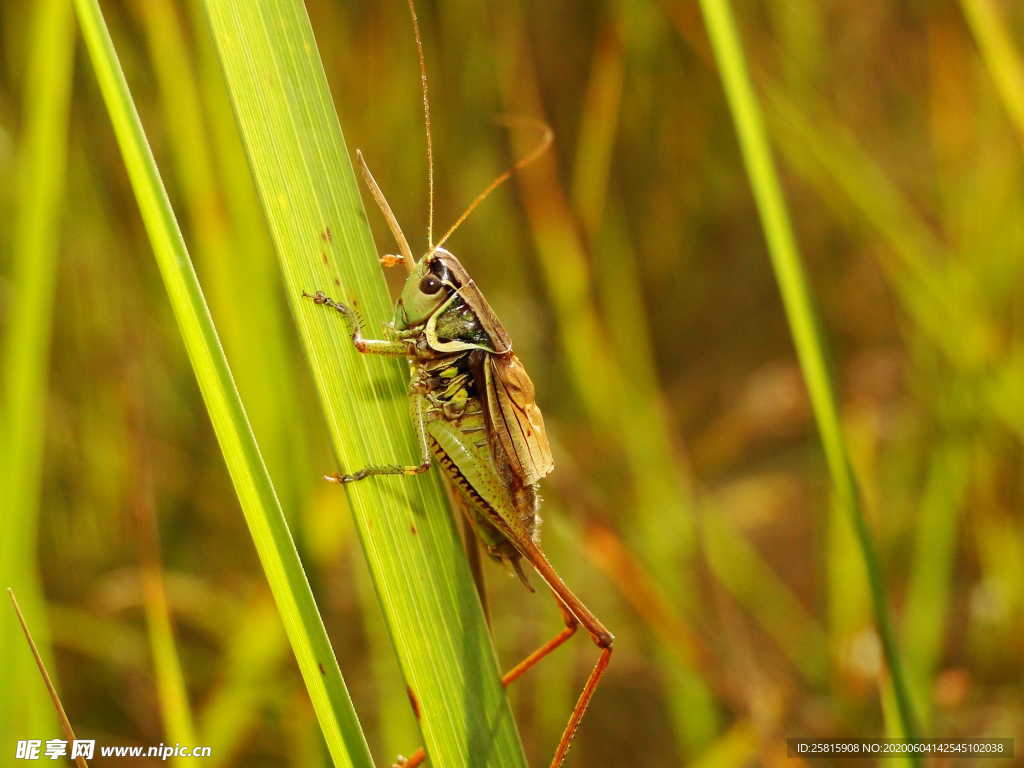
{"points": [[389, 215], [545, 142], [426, 121]]}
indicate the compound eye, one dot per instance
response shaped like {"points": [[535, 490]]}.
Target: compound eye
{"points": [[430, 285]]}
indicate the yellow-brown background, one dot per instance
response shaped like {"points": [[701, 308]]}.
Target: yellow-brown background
{"points": [[691, 502]]}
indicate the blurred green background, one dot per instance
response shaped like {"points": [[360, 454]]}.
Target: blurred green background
{"points": [[691, 505]]}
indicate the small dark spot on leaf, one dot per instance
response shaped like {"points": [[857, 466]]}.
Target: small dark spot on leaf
{"points": [[323, 255], [323, 671], [414, 701], [413, 529], [337, 282], [327, 235]]}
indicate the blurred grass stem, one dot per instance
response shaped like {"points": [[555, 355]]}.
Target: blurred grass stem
{"points": [[1001, 57], [39, 179], [62, 716], [801, 315]]}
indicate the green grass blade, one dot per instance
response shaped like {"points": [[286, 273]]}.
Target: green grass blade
{"points": [[1001, 57], [172, 689], [252, 484], [284, 427], [602, 382], [932, 568], [800, 313], [742, 571], [209, 166], [248, 680], [311, 200], [39, 177]]}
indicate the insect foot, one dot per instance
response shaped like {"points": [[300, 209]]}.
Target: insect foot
{"points": [[324, 300]]}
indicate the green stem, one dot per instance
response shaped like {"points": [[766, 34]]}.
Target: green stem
{"points": [[255, 491], [1001, 57], [39, 180], [801, 315]]}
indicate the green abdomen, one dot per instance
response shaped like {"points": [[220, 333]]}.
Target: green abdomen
{"points": [[463, 452], [458, 428]]}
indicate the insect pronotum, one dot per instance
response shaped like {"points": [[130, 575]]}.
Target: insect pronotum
{"points": [[473, 409]]}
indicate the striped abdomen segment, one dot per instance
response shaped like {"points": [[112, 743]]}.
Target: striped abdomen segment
{"points": [[486, 520]]}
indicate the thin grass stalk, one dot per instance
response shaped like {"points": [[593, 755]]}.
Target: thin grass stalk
{"points": [[106, 641], [649, 447], [62, 716], [254, 488], [740, 569], [600, 384], [822, 143], [169, 676], [285, 428], [248, 680], [1000, 54], [660, 477], [209, 165], [921, 267], [800, 27], [172, 688], [737, 566], [39, 175], [917, 260], [271, 404], [802, 320], [848, 608], [304, 176], [647, 444], [931, 574], [595, 142], [224, 214]]}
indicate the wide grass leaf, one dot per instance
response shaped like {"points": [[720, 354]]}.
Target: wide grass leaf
{"points": [[304, 176], [241, 454]]}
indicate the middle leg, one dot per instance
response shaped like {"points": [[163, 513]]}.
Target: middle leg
{"points": [[419, 424]]}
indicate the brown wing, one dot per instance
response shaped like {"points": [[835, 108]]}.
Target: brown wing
{"points": [[515, 420]]}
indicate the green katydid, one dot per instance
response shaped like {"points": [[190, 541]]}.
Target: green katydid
{"points": [[474, 411]]}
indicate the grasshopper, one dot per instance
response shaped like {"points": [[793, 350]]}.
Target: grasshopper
{"points": [[474, 412]]}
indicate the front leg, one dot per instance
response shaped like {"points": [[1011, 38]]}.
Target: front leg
{"points": [[418, 420], [355, 327]]}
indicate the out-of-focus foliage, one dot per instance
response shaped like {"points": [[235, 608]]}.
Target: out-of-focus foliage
{"points": [[690, 506]]}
